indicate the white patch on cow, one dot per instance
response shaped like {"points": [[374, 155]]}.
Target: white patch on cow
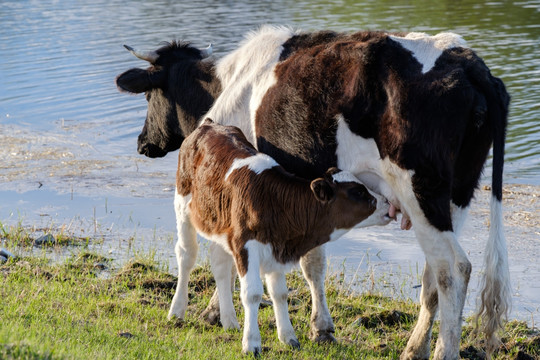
{"points": [[256, 163], [246, 74], [427, 49], [400, 181], [345, 176], [459, 215], [361, 157]]}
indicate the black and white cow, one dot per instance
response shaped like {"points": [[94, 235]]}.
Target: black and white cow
{"points": [[412, 116]]}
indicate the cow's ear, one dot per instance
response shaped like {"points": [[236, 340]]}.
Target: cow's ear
{"points": [[138, 80], [324, 190]]}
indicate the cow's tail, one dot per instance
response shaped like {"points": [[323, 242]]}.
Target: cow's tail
{"points": [[495, 298]]}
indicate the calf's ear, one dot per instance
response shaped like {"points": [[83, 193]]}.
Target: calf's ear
{"points": [[323, 190], [138, 80]]}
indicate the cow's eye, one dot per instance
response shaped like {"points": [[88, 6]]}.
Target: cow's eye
{"points": [[147, 95]]}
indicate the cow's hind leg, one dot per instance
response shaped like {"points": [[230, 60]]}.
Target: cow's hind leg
{"points": [[277, 287], [418, 346], [186, 250], [451, 270], [313, 266]]}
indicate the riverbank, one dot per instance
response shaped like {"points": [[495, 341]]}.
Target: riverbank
{"points": [[85, 308], [385, 260]]}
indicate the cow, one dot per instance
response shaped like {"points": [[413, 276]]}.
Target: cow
{"points": [[413, 117], [263, 216]]}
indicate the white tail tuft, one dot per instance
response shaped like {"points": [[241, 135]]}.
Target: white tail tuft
{"points": [[496, 292]]}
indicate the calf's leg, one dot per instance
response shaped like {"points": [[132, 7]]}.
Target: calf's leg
{"points": [[222, 263], [186, 250], [313, 266], [251, 291], [277, 287], [211, 313]]}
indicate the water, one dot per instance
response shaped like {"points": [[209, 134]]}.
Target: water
{"points": [[68, 137]]}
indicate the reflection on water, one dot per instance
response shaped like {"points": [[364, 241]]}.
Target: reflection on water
{"points": [[64, 126], [59, 60]]}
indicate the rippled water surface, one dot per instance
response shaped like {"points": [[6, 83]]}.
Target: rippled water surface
{"points": [[68, 137]]}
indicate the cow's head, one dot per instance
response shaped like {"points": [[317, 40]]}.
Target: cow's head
{"points": [[179, 88]]}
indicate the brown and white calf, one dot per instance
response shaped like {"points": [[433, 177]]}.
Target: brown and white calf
{"points": [[265, 217]]}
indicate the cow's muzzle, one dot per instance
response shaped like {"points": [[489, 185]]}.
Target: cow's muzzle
{"points": [[150, 150]]}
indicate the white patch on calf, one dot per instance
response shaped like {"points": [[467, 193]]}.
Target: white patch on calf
{"points": [[256, 163], [220, 239], [186, 250], [427, 49]]}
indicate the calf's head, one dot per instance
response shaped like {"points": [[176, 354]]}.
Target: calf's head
{"points": [[179, 88], [352, 204]]}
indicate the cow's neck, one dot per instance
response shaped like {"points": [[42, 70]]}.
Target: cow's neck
{"points": [[199, 88]]}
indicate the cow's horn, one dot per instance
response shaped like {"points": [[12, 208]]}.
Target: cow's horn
{"points": [[207, 51], [150, 56]]}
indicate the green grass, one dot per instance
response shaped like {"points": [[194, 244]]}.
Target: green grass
{"points": [[76, 310], [24, 237]]}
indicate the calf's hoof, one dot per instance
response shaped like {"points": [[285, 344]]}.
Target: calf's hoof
{"points": [[229, 322], [175, 317], [253, 350], [323, 336], [416, 352], [295, 344], [210, 315]]}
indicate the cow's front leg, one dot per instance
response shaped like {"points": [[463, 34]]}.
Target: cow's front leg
{"points": [[313, 266]]}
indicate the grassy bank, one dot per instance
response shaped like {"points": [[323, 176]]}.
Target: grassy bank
{"points": [[82, 308]]}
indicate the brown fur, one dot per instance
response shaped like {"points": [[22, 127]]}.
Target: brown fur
{"points": [[273, 207]]}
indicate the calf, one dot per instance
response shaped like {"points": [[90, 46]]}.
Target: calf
{"points": [[262, 215]]}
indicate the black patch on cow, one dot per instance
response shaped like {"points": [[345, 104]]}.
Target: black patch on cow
{"points": [[440, 124], [307, 40]]}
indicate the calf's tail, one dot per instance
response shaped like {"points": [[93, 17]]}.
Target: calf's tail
{"points": [[495, 298]]}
